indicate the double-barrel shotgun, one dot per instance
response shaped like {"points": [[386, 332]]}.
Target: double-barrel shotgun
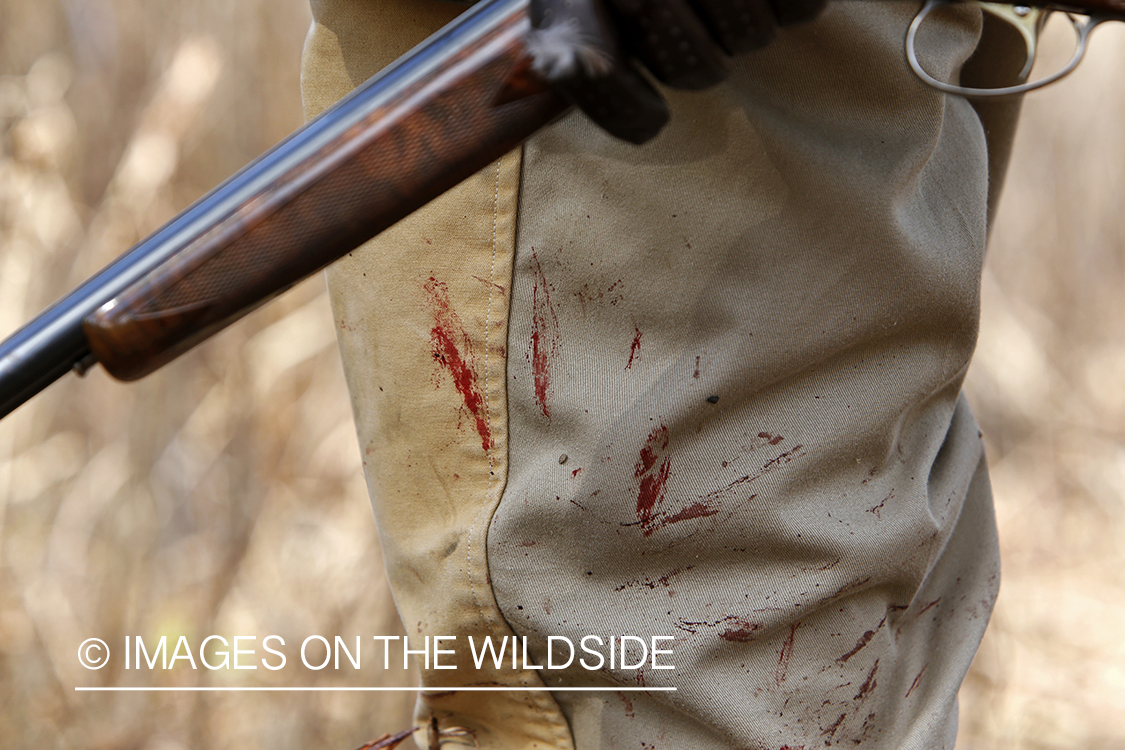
{"points": [[447, 109], [457, 102]]}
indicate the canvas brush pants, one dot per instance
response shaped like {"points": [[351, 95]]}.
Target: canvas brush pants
{"points": [[708, 388]]}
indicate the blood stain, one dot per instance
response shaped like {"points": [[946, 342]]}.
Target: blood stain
{"points": [[878, 509], [664, 580], [636, 347], [695, 510], [848, 588], [786, 654], [743, 632], [488, 283], [830, 732], [863, 641], [928, 606], [916, 680], [628, 704], [869, 684], [452, 349], [652, 471], [544, 336]]}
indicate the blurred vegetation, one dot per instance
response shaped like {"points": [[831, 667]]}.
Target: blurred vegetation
{"points": [[1048, 386], [220, 496], [223, 495]]}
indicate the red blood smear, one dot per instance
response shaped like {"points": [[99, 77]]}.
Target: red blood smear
{"points": [[742, 633], [786, 654], [868, 684], [544, 336], [916, 681], [452, 349], [636, 347], [652, 478]]}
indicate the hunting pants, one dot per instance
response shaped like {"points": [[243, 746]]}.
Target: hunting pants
{"points": [[704, 394]]}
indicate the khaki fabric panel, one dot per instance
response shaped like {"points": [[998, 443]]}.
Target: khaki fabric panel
{"points": [[422, 319], [748, 339]]}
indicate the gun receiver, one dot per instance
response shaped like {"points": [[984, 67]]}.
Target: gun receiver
{"points": [[454, 104]]}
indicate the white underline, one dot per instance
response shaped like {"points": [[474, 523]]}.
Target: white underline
{"points": [[361, 689]]}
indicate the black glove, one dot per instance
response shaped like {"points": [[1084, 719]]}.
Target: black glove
{"points": [[591, 50]]}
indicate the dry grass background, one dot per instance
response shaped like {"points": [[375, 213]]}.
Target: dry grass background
{"points": [[223, 495], [1048, 386]]}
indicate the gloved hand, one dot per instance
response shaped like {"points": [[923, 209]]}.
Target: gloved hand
{"points": [[592, 51]]}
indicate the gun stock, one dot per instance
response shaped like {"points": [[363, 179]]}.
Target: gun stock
{"points": [[441, 113]]}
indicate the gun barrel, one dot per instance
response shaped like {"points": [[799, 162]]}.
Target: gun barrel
{"points": [[38, 355], [52, 344]]}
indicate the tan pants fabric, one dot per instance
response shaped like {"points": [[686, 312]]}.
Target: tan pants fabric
{"points": [[704, 391]]}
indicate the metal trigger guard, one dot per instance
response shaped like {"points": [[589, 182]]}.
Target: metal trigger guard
{"points": [[1028, 21]]}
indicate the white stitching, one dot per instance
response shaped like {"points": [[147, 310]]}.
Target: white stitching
{"points": [[487, 406], [488, 319]]}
